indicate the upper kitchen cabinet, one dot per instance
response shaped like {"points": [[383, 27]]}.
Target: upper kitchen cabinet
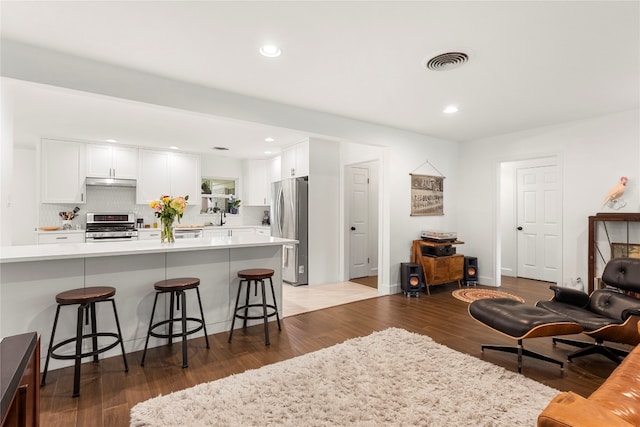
{"points": [[255, 183], [167, 173], [62, 165], [185, 174], [274, 170], [112, 161], [295, 160]]}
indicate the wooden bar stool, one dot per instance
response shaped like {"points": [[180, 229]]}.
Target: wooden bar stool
{"points": [[255, 275], [86, 299], [177, 288]]}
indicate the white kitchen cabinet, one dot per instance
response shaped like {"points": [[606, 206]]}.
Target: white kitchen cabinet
{"points": [[185, 175], [153, 176], [149, 234], [263, 231], [62, 165], [274, 170], [227, 232], [295, 161], [112, 161], [256, 183], [288, 163], [241, 231], [70, 237], [167, 173], [215, 232]]}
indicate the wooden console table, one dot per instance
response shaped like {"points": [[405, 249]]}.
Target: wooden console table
{"points": [[438, 270], [20, 380]]}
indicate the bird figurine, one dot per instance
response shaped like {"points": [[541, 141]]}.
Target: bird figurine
{"points": [[616, 192]]}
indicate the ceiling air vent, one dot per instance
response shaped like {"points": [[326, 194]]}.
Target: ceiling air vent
{"points": [[447, 61]]}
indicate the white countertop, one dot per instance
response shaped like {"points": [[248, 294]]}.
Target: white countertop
{"points": [[90, 250]]}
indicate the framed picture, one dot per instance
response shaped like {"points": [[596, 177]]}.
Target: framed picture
{"points": [[625, 250], [427, 195]]}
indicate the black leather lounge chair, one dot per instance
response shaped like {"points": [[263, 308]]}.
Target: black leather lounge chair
{"points": [[608, 314], [521, 321]]}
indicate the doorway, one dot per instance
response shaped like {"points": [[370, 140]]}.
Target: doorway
{"points": [[530, 219], [361, 213]]}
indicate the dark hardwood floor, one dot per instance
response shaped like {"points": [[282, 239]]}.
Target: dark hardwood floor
{"points": [[108, 394], [371, 281]]}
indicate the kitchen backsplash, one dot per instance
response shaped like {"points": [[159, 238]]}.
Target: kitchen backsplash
{"points": [[122, 199]]}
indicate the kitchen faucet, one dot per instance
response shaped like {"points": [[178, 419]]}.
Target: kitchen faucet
{"points": [[222, 215]]}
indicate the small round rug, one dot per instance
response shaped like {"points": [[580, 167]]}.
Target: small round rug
{"points": [[470, 295]]}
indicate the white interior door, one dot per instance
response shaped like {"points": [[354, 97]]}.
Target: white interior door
{"points": [[358, 191], [538, 219]]}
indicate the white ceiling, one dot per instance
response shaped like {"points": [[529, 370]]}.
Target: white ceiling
{"points": [[532, 64]]}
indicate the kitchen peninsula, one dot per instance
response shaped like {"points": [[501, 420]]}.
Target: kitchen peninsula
{"points": [[31, 276]]}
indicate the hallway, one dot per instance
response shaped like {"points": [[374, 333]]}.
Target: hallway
{"points": [[301, 299]]}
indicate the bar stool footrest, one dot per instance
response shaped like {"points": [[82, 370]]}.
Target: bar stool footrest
{"points": [[261, 316], [180, 333], [90, 353]]}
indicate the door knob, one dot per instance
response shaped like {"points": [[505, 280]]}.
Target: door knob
{"points": [[519, 228], [353, 228]]}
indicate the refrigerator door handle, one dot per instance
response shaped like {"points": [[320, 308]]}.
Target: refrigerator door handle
{"points": [[278, 211]]}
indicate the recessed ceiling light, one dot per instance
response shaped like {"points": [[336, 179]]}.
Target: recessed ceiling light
{"points": [[173, 147], [220, 148], [111, 140], [269, 139], [450, 109], [270, 51], [267, 152]]}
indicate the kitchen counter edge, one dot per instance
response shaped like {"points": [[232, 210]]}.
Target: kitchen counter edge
{"points": [[26, 253]]}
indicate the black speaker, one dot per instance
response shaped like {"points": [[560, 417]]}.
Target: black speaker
{"points": [[411, 279], [470, 271]]}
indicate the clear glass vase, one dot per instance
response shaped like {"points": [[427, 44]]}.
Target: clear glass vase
{"points": [[167, 231]]}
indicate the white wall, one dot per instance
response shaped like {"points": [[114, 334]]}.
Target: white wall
{"points": [[6, 164], [592, 154], [24, 219], [324, 211], [220, 167]]}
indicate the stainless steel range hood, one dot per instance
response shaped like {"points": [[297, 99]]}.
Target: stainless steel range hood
{"points": [[111, 182]]}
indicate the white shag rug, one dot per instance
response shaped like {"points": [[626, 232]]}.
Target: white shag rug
{"points": [[392, 377]]}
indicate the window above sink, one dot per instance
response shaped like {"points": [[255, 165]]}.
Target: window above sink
{"points": [[217, 195]]}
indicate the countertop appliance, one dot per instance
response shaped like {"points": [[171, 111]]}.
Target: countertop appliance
{"points": [[290, 220], [111, 227]]}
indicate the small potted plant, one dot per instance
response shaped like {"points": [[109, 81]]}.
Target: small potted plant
{"points": [[235, 204]]}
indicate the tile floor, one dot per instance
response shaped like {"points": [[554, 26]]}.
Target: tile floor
{"points": [[300, 299]]}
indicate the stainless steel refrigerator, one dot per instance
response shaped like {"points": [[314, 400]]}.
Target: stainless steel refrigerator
{"points": [[289, 219]]}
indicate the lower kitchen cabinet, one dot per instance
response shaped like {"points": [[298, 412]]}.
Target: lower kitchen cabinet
{"points": [[52, 237], [222, 232], [263, 231], [227, 232], [149, 234]]}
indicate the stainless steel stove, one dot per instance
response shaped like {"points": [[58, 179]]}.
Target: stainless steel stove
{"points": [[111, 227]]}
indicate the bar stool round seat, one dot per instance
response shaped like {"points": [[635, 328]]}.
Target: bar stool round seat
{"points": [[255, 276], [176, 287], [86, 299]]}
